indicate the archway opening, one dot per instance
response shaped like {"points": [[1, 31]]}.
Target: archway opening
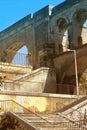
{"points": [[21, 56], [63, 34], [80, 26], [84, 32]]}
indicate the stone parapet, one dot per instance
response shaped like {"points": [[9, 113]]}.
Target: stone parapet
{"points": [[66, 4], [37, 102], [11, 70]]}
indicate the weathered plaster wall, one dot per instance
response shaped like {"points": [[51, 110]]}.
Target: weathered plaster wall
{"points": [[44, 103]]}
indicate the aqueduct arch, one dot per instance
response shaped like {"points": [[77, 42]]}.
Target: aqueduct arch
{"points": [[74, 29], [12, 42], [79, 19], [51, 24], [62, 27]]}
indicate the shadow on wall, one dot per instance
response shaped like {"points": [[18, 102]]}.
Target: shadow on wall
{"points": [[50, 84]]}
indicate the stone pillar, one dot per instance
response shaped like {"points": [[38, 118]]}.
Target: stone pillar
{"points": [[70, 36]]}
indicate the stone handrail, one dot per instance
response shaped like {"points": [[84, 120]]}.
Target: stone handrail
{"points": [[73, 121], [21, 123], [74, 108], [5, 104]]}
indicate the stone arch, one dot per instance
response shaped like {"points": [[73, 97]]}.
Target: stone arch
{"points": [[12, 50], [78, 19], [62, 33], [62, 24]]}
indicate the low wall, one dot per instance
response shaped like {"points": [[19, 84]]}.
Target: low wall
{"points": [[12, 71], [40, 80], [39, 103]]}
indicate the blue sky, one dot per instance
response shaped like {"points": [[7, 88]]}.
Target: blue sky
{"points": [[13, 10]]}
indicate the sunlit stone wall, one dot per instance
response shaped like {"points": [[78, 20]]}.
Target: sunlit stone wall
{"points": [[39, 103]]}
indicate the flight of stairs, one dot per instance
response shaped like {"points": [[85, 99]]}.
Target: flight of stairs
{"points": [[44, 121], [57, 121], [49, 121]]}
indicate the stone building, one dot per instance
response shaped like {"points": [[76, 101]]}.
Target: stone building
{"points": [[47, 87], [49, 35]]}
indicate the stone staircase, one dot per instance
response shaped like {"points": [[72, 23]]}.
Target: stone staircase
{"points": [[49, 121], [34, 81], [28, 120]]}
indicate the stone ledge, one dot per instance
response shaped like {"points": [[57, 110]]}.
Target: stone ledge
{"points": [[50, 95]]}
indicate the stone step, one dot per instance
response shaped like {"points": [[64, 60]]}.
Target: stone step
{"points": [[57, 128], [49, 127], [44, 117], [48, 122], [43, 125], [55, 125], [39, 119]]}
